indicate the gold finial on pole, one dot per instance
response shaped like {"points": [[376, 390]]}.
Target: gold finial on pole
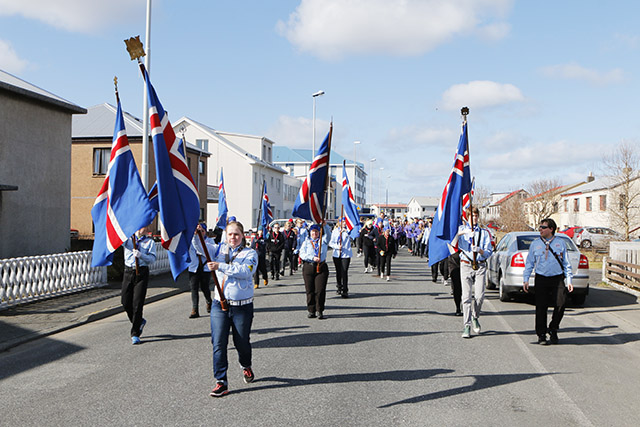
{"points": [[135, 48]]}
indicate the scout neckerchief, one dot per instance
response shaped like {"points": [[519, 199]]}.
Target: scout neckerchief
{"points": [[314, 244], [340, 240], [547, 243]]}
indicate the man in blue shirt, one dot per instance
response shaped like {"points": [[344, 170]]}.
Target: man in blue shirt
{"points": [[549, 257], [475, 247], [139, 254]]}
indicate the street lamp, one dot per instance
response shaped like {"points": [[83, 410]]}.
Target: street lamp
{"points": [[355, 167], [387, 190], [379, 188], [371, 180], [315, 95]]}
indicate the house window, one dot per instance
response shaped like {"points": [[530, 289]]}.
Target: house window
{"points": [[272, 182], [576, 205], [269, 158], [101, 157], [202, 144], [255, 177], [603, 203], [566, 206], [278, 185], [201, 168], [588, 204], [189, 163]]}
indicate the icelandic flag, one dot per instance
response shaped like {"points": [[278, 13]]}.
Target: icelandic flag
{"points": [[351, 215], [267, 213], [122, 206], [467, 199], [178, 201], [310, 203], [221, 222], [448, 217]]}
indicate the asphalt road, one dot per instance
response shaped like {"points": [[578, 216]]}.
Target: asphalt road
{"points": [[391, 354]]}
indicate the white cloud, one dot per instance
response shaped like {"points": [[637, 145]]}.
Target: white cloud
{"points": [[332, 29], [480, 94], [297, 132], [9, 59], [82, 16], [574, 71]]}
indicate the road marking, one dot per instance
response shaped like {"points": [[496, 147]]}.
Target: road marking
{"points": [[573, 409]]}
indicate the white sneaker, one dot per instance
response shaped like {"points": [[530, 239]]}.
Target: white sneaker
{"points": [[366, 269], [388, 278], [382, 275]]}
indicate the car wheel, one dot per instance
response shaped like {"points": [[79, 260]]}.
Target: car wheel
{"points": [[578, 299], [585, 244], [487, 282], [504, 296]]}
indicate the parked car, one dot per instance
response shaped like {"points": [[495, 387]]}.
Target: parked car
{"points": [[572, 232], [597, 237], [74, 233], [505, 266]]}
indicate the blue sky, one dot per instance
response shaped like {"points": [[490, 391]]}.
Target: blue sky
{"points": [[552, 86]]}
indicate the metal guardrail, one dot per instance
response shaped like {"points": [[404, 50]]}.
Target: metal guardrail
{"points": [[28, 279], [621, 268]]}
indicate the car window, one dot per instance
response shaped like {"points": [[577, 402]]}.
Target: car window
{"points": [[504, 242], [525, 241]]}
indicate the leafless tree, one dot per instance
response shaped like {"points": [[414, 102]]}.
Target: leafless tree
{"points": [[512, 216], [545, 196], [481, 199], [623, 166]]}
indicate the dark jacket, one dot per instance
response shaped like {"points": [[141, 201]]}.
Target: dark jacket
{"points": [[259, 245], [389, 247], [275, 244], [291, 240], [369, 236]]}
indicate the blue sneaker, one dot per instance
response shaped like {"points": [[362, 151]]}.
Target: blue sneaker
{"points": [[144, 322], [135, 340]]}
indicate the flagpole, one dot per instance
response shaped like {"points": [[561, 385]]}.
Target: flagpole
{"points": [[260, 209], [145, 105], [465, 112], [326, 192]]}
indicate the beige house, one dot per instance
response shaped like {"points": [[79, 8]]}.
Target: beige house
{"points": [[35, 171], [422, 207], [91, 149]]}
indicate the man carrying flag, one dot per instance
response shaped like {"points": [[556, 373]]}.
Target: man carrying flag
{"points": [[177, 194], [120, 210], [311, 204]]}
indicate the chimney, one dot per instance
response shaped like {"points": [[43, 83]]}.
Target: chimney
{"points": [[590, 178]]}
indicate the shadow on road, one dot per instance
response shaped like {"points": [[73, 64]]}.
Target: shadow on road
{"points": [[320, 339]]}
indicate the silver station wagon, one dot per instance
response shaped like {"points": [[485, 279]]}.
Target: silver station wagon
{"points": [[505, 266]]}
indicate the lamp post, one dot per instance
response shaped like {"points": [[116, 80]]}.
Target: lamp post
{"points": [[379, 189], [315, 95], [387, 190], [371, 181], [355, 168]]}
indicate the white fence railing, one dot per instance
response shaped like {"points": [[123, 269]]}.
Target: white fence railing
{"points": [[38, 277]]}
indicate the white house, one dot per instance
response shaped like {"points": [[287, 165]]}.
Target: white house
{"points": [[246, 162], [421, 207], [392, 210]]}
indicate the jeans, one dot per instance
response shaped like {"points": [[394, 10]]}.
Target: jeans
{"points": [[239, 319]]}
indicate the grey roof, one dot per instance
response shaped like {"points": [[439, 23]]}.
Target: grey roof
{"points": [[597, 184], [16, 85], [282, 154], [100, 120]]}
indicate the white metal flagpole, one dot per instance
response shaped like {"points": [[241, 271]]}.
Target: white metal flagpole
{"points": [[145, 105]]}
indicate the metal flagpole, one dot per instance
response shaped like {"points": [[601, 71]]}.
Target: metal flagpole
{"points": [[465, 112], [145, 105], [260, 210]]}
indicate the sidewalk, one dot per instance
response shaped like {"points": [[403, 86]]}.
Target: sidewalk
{"points": [[31, 321]]}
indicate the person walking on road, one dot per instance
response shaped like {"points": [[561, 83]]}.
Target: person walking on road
{"points": [[548, 256], [386, 246], [139, 254], [234, 265], [275, 244], [289, 248], [475, 247], [315, 270], [342, 254], [369, 234], [199, 273], [259, 245]]}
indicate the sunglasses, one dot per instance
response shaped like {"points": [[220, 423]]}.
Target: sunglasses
{"points": [[543, 227]]}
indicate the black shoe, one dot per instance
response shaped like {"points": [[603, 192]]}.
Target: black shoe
{"points": [[553, 337], [542, 339], [345, 295], [320, 316], [291, 273], [458, 313], [219, 390], [282, 273], [311, 315]]}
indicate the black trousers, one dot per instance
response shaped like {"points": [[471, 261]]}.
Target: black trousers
{"points": [[342, 274], [456, 284], [287, 257], [134, 291], [384, 264], [369, 255], [315, 284], [199, 281], [262, 269], [275, 264], [546, 288]]}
